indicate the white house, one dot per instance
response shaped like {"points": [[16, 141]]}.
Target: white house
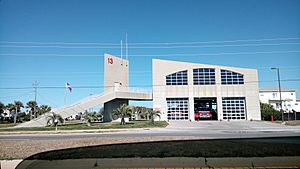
{"points": [[271, 96], [297, 105]]}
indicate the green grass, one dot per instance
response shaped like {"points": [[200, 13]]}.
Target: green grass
{"points": [[83, 126], [293, 123], [4, 125]]}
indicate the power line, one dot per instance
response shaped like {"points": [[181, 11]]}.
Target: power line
{"points": [[215, 46], [150, 43], [57, 43], [156, 55], [12, 96], [151, 47], [57, 46], [91, 87], [208, 42], [140, 72], [67, 73], [223, 53]]}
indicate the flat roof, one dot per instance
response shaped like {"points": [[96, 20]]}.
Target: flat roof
{"points": [[276, 89]]}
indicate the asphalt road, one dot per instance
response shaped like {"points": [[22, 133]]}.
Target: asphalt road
{"points": [[202, 130]]}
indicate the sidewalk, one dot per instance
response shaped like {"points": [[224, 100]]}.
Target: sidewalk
{"points": [[74, 131]]}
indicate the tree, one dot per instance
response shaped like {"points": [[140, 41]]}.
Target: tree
{"points": [[89, 117], [10, 108], [268, 110], [33, 106], [2, 108], [53, 119], [141, 111], [152, 114], [16, 107], [43, 109], [122, 111]]}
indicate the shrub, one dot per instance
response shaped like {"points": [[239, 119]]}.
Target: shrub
{"points": [[268, 110]]}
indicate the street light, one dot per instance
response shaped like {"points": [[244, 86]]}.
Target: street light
{"points": [[279, 87]]}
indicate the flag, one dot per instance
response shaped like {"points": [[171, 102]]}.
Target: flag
{"points": [[110, 60], [69, 87]]}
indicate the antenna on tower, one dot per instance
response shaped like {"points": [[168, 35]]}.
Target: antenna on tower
{"points": [[126, 46], [122, 51]]}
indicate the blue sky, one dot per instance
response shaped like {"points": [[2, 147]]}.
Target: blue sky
{"points": [[274, 25]]}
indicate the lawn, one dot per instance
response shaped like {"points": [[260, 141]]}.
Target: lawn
{"points": [[293, 123], [83, 126], [4, 125]]}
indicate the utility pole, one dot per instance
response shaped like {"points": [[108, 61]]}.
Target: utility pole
{"points": [[279, 88], [34, 85]]}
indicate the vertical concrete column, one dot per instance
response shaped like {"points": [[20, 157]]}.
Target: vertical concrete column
{"points": [[219, 93], [219, 108], [191, 95], [191, 109]]}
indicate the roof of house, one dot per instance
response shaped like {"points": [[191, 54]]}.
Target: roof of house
{"points": [[275, 89]]}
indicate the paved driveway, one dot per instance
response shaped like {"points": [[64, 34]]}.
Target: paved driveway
{"points": [[230, 125]]}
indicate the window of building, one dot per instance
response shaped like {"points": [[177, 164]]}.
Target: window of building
{"points": [[234, 108], [178, 108], [274, 94], [277, 105], [229, 77], [178, 78], [204, 76]]}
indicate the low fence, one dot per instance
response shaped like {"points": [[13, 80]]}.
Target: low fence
{"points": [[291, 116]]}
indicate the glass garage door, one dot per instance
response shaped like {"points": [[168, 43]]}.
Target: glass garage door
{"points": [[178, 108], [234, 108]]}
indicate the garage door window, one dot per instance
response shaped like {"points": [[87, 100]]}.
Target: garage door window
{"points": [[234, 108], [178, 108]]}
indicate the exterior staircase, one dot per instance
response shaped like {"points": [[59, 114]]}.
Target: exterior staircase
{"points": [[87, 103]]}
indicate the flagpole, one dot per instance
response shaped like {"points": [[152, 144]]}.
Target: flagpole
{"points": [[65, 99]]}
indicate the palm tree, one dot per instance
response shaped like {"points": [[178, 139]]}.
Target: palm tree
{"points": [[122, 111], [33, 108], [53, 119], [89, 117], [152, 114], [16, 106], [43, 109]]}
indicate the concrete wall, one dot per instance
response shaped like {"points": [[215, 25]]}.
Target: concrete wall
{"points": [[110, 106], [162, 68], [115, 73], [115, 79]]}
